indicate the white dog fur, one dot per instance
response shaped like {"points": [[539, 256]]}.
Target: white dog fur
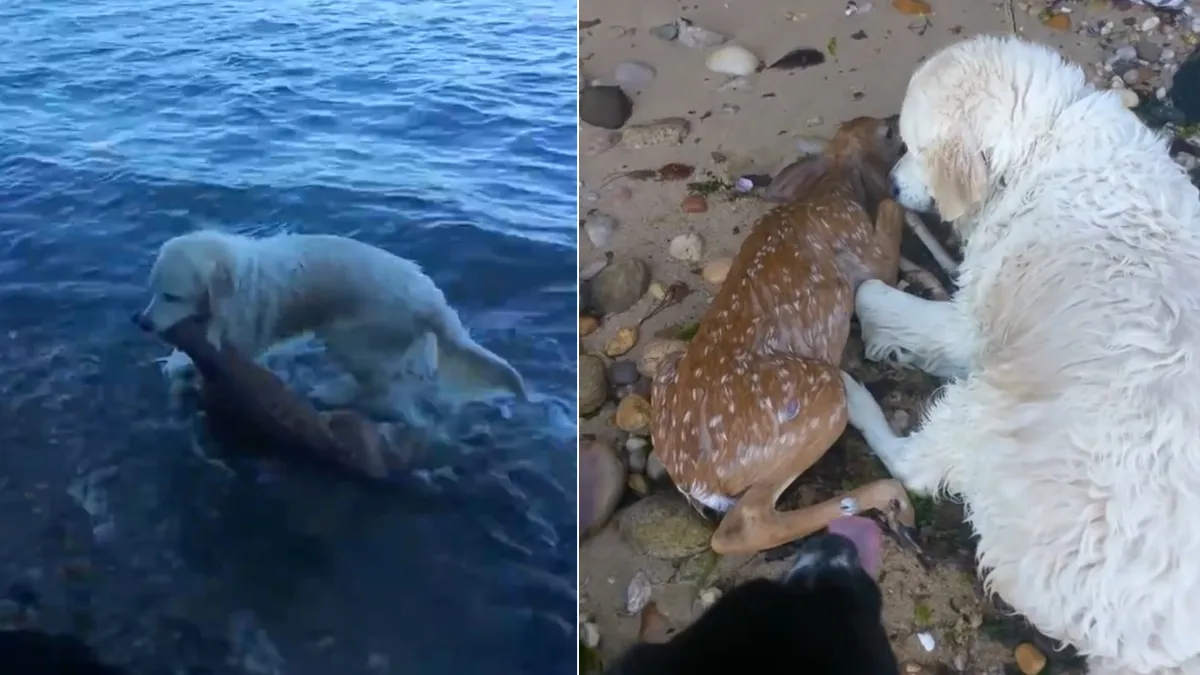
{"points": [[1071, 424], [380, 317]]}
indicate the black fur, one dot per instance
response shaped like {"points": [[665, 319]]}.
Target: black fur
{"points": [[35, 652], [823, 619]]}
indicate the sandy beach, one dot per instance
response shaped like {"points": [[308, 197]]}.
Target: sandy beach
{"points": [[644, 187]]}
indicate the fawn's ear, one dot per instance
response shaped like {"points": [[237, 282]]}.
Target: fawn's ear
{"points": [[957, 177], [795, 178]]}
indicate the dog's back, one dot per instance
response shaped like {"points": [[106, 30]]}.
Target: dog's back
{"points": [[823, 619]]}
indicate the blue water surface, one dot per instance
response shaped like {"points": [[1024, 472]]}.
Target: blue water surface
{"points": [[442, 131]]}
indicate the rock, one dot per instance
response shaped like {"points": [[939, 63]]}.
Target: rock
{"points": [[621, 343], [637, 483], [587, 325], [633, 415], [599, 228], [589, 635], [634, 74], [709, 597], [687, 247], [1029, 659], [664, 526], [1132, 77], [694, 204], [621, 373], [636, 451], [698, 37], [605, 106], [1149, 51], [665, 131], [1129, 98], [601, 484], [1059, 22], [1150, 24], [715, 271], [593, 384], [619, 285], [732, 60], [657, 291], [654, 468], [655, 352], [667, 31]]}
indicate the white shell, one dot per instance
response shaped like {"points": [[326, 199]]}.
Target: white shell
{"points": [[733, 60], [688, 247]]}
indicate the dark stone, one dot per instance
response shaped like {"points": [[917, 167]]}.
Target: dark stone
{"points": [[605, 106], [1185, 91]]}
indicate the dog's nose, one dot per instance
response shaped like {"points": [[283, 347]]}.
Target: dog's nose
{"points": [[895, 191]]}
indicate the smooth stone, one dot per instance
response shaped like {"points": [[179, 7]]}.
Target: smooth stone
{"points": [[664, 526], [623, 372], [634, 74], [620, 285], [605, 106], [602, 479], [599, 227], [593, 383], [732, 60]]}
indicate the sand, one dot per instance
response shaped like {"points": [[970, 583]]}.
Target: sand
{"points": [[755, 129]]}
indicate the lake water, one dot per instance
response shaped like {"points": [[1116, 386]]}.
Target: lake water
{"points": [[442, 131]]}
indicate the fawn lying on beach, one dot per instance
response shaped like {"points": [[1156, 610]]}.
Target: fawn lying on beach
{"points": [[758, 396]]}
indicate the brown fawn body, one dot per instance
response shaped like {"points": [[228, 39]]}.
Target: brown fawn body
{"points": [[758, 396]]}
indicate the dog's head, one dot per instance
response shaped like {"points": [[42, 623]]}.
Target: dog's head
{"points": [[192, 275], [975, 113], [824, 618]]}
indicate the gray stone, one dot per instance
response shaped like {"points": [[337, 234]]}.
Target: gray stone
{"points": [[601, 484], [620, 285], [665, 526], [605, 106], [634, 74]]}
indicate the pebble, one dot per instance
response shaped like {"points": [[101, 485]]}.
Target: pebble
{"points": [[732, 60], [601, 484], [655, 352], [698, 37], [654, 468], [588, 325], [715, 271], [637, 456], [634, 74], [1129, 98], [694, 204], [688, 247], [664, 526], [621, 343], [709, 597], [599, 228], [1150, 24], [633, 415], [605, 106], [620, 285], [1030, 660], [621, 373], [593, 383], [589, 634], [1149, 51], [665, 131]]}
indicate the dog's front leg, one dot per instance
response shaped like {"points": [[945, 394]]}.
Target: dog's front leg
{"points": [[922, 461], [913, 332]]}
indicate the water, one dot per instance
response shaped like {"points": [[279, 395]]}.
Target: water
{"points": [[443, 131]]}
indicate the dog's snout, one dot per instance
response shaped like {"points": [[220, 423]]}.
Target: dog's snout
{"points": [[820, 553]]}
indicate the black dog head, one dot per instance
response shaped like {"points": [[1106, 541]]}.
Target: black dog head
{"points": [[823, 618]]}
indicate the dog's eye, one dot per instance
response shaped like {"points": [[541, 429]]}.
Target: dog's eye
{"points": [[890, 133]]}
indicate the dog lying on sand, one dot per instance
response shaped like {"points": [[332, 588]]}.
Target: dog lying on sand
{"points": [[379, 316], [824, 618]]}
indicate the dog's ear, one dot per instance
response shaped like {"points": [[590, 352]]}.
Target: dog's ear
{"points": [[795, 178], [957, 178], [220, 279]]}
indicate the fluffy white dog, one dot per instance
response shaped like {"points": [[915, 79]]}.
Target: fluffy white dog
{"points": [[1071, 425], [381, 318]]}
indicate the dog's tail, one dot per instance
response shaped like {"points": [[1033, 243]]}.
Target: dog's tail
{"points": [[468, 371]]}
